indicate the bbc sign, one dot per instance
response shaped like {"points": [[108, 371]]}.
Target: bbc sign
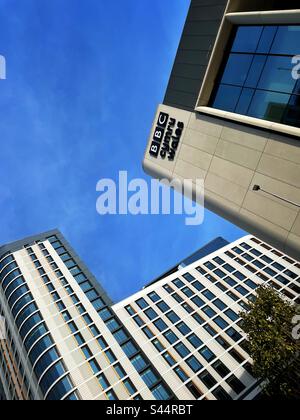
{"points": [[166, 138]]}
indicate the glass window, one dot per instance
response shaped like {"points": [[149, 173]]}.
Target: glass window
{"points": [[80, 340], [242, 290], [181, 374], [209, 312], [195, 341], [157, 344], [98, 304], [54, 373], [178, 283], [194, 364], [148, 332], [111, 395], [39, 348], [161, 393], [138, 320], [171, 337], [105, 314], [87, 352], [197, 301], [35, 334], [154, 297], [236, 384], [139, 363], [194, 390], [209, 295], [112, 324], [223, 343], [169, 359], [103, 382], [221, 322], [188, 308], [199, 319], [95, 366], [151, 314], [163, 306], [111, 357], [188, 292], [232, 315], [45, 361], [92, 295], [120, 371], [130, 310], [130, 387], [207, 354], [221, 394], [102, 343], [80, 278], [121, 336], [219, 304], [160, 325], [178, 298], [220, 273], [183, 328], [88, 320], [149, 377], [63, 387], [234, 334], [142, 303], [198, 286], [221, 369], [189, 277], [130, 349], [258, 76], [182, 350], [174, 318], [211, 331], [208, 380]]}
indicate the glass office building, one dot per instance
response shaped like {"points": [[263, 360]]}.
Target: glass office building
{"points": [[179, 338], [257, 77], [63, 340], [234, 93]]}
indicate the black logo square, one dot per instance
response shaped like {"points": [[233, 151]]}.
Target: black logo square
{"points": [[154, 149], [158, 134], [163, 119]]}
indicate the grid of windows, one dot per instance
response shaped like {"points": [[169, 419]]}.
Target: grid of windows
{"points": [[257, 79], [191, 322], [214, 299]]}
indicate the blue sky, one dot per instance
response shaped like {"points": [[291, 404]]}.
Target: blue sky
{"points": [[84, 78]]}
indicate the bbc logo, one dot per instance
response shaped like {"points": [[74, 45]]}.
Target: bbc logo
{"points": [[159, 133]]}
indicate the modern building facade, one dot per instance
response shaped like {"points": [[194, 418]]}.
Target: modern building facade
{"points": [[179, 338], [64, 341], [189, 326], [231, 115]]}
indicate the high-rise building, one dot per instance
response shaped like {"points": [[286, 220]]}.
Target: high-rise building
{"points": [[231, 115], [63, 339], [179, 338], [189, 325]]}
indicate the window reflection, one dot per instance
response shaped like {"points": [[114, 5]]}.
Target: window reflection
{"points": [[257, 79]]}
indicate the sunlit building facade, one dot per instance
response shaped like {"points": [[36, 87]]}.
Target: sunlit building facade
{"points": [[179, 338], [189, 325], [63, 341], [231, 115]]}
